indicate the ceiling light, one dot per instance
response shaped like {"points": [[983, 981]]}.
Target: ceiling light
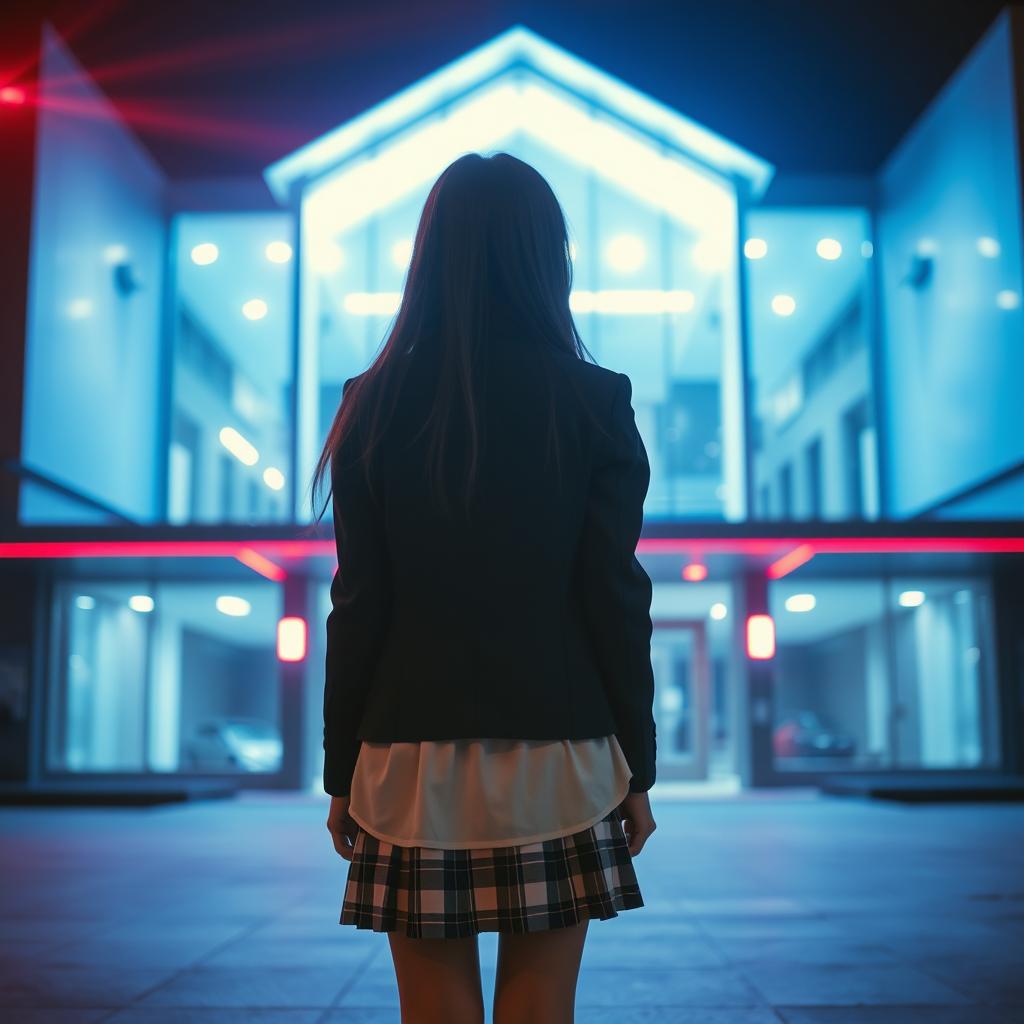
{"points": [[989, 247], [783, 305], [228, 604], [238, 446], [254, 309], [273, 478], [204, 254], [829, 249], [755, 248], [278, 252]]}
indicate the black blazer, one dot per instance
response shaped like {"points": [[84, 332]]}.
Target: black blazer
{"points": [[530, 620]]}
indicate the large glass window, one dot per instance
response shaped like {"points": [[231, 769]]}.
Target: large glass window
{"points": [[164, 677], [814, 435], [654, 242], [884, 673], [230, 430]]}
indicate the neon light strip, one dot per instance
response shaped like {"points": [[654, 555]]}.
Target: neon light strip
{"points": [[692, 547], [800, 555], [264, 566]]}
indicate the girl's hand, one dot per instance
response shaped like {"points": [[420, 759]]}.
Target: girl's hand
{"points": [[638, 821], [342, 826]]}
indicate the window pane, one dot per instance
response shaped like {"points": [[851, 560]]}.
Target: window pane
{"points": [[810, 369], [230, 431], [165, 677]]}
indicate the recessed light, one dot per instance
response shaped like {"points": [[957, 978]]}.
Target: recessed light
{"points": [[204, 254], [783, 305], [278, 252], [755, 248], [829, 249], [229, 604], [989, 247], [273, 478], [254, 309]]}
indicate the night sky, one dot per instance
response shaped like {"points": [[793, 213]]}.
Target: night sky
{"points": [[810, 86]]}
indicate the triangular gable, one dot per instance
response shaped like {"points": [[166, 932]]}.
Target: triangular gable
{"points": [[519, 48]]}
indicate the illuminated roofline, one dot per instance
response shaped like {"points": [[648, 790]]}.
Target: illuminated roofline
{"points": [[518, 45]]}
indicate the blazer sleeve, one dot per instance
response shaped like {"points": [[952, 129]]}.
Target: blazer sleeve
{"points": [[617, 590], [360, 610]]}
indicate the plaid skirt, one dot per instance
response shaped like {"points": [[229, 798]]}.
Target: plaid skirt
{"points": [[446, 894]]}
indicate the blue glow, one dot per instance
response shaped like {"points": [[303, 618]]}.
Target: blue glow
{"points": [[518, 48]]}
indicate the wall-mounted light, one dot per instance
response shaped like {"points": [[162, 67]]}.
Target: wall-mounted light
{"points": [[291, 638], [760, 637]]}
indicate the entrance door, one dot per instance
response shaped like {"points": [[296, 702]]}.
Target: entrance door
{"points": [[679, 653]]}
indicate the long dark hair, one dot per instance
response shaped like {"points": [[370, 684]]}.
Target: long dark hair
{"points": [[491, 248]]}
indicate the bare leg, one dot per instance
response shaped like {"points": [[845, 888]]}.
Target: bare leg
{"points": [[438, 979], [537, 976]]}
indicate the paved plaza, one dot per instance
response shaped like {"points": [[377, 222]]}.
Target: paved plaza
{"points": [[760, 909]]}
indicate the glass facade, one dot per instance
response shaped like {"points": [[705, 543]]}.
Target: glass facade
{"points": [[229, 458], [655, 291], [814, 446], [163, 676], [884, 673]]}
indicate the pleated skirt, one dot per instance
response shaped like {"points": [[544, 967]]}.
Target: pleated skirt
{"points": [[425, 892]]}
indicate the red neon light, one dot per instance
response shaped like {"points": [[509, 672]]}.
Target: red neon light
{"points": [[291, 638], [760, 637], [12, 94], [780, 548], [264, 566], [800, 555], [695, 572]]}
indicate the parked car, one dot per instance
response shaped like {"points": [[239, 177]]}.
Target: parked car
{"points": [[805, 734], [234, 745]]}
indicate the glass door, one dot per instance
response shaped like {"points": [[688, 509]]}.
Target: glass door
{"points": [[679, 653]]}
